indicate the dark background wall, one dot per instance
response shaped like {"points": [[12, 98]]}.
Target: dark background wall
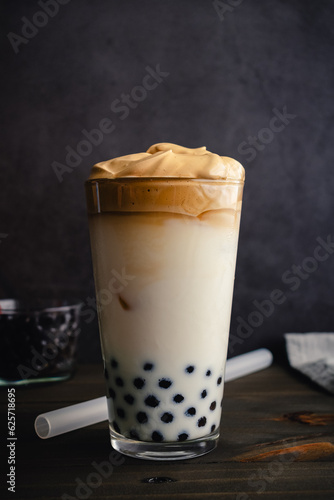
{"points": [[231, 70]]}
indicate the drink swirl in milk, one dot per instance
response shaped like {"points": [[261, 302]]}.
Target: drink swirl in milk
{"points": [[166, 222]]}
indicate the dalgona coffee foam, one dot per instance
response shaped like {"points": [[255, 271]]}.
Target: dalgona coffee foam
{"points": [[167, 178], [170, 160]]}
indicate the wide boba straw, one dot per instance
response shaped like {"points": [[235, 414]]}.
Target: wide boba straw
{"points": [[94, 411]]}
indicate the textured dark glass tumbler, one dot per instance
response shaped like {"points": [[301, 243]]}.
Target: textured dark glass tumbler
{"points": [[38, 340]]}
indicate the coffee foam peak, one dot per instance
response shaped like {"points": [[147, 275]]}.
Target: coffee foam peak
{"points": [[170, 160]]}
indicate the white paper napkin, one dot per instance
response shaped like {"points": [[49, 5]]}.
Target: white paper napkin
{"points": [[313, 355]]}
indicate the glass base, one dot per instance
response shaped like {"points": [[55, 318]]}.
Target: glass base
{"points": [[29, 381], [164, 451]]}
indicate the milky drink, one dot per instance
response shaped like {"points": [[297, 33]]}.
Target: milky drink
{"points": [[164, 231]]}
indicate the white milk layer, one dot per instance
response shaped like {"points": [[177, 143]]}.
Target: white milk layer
{"points": [[164, 291]]}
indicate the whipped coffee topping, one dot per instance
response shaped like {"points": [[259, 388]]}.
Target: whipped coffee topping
{"points": [[170, 160]]}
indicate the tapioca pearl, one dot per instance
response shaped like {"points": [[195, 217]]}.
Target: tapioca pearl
{"points": [[167, 417], [204, 394], [178, 398], [190, 369], [119, 381], [116, 427], [208, 373], [106, 374], [134, 435], [213, 405], [201, 422], [112, 393], [148, 367], [183, 436], [128, 398], [190, 412], [114, 363], [165, 383], [139, 382], [157, 436], [120, 412], [213, 428], [152, 401], [219, 380], [142, 417]]}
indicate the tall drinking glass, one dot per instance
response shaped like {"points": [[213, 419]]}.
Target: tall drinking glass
{"points": [[164, 253]]}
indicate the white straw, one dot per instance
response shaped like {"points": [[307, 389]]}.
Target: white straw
{"points": [[70, 418], [91, 412], [248, 363]]}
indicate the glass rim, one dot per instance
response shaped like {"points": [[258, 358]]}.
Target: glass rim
{"points": [[31, 306], [164, 179]]}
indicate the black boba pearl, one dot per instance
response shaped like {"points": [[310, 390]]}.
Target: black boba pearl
{"points": [[112, 393], [164, 383], [167, 418], [208, 373], [201, 422], [213, 405], [120, 412], [142, 417], [219, 381], [134, 435], [157, 436], [129, 399], [114, 363], [191, 412], [152, 401], [213, 428], [178, 398], [183, 436], [116, 427], [119, 381], [148, 367], [139, 383], [190, 369], [106, 374], [204, 394]]}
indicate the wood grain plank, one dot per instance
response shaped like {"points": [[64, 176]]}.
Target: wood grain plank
{"points": [[276, 443]]}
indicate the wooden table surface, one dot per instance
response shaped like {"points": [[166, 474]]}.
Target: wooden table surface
{"points": [[277, 442]]}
